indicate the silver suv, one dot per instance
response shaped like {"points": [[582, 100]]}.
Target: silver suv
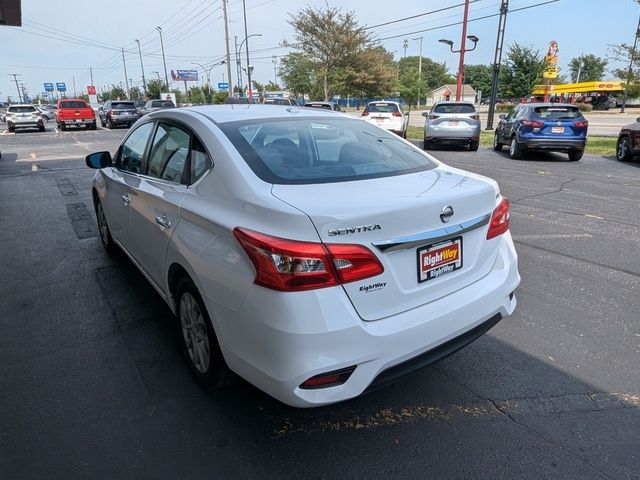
{"points": [[23, 116], [453, 123]]}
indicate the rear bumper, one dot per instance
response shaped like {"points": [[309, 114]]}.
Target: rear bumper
{"points": [[79, 121], [124, 119], [278, 341], [552, 144], [450, 134], [25, 123]]}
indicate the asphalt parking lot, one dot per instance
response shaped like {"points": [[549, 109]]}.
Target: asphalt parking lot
{"points": [[92, 383]]}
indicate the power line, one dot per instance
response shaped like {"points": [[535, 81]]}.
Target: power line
{"points": [[418, 15]]}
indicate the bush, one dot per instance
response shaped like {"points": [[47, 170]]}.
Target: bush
{"points": [[505, 107], [585, 107]]}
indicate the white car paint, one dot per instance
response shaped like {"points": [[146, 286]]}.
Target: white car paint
{"points": [[279, 339]]}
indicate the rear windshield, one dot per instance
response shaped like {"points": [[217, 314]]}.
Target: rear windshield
{"points": [[381, 108], [308, 150], [22, 109], [454, 108], [326, 106], [277, 101], [557, 113], [75, 104], [122, 105]]}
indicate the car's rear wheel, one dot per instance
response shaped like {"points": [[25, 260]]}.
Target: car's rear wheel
{"points": [[103, 228], [575, 155], [427, 144], [473, 145], [199, 342], [515, 151], [93, 126], [62, 127], [109, 124], [41, 127], [11, 129], [623, 149], [497, 146]]}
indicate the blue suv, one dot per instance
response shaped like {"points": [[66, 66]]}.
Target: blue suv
{"points": [[556, 127]]}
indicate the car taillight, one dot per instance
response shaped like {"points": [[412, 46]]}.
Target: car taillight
{"points": [[109, 112], [433, 117], [364, 114], [329, 379], [499, 222], [581, 123], [291, 265], [397, 114], [532, 123], [474, 117]]}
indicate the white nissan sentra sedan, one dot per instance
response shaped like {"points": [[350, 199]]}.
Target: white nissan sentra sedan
{"points": [[313, 254]]}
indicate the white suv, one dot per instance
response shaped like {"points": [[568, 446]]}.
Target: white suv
{"points": [[388, 115], [23, 116]]}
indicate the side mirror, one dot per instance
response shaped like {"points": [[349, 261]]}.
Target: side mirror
{"points": [[425, 114], [502, 116], [99, 160]]}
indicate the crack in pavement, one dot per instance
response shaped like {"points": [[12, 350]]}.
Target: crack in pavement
{"points": [[559, 189]]}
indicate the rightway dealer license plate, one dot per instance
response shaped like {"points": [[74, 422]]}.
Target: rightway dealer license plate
{"points": [[439, 259]]}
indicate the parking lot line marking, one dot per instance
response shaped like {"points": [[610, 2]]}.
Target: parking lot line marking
{"points": [[33, 156], [552, 236], [589, 215], [546, 405]]}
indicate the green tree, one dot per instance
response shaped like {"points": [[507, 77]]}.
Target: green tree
{"points": [[591, 68], [155, 87], [623, 54], [298, 74], [434, 75], [272, 87], [370, 73], [329, 40], [219, 97], [479, 77], [135, 93], [521, 71]]}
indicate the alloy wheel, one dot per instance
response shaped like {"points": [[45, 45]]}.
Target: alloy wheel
{"points": [[623, 146], [194, 333], [102, 225]]}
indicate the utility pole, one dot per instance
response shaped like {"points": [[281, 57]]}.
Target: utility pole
{"points": [[633, 54], [164, 61], [274, 60], [238, 64], [405, 45], [419, 68], [504, 8], [226, 43], [91, 74], [462, 50], [144, 81], [15, 79], [75, 93], [126, 77]]}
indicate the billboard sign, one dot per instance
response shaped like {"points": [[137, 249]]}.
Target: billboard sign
{"points": [[61, 87], [184, 75], [48, 87], [223, 86]]}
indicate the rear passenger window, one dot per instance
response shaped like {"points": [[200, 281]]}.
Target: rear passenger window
{"points": [[169, 153], [200, 160]]}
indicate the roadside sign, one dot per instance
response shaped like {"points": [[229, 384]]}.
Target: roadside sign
{"points": [[550, 72], [61, 87], [184, 75], [91, 90], [48, 87], [223, 86]]}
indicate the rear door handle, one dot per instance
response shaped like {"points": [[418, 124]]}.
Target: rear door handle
{"points": [[163, 221], [126, 200]]}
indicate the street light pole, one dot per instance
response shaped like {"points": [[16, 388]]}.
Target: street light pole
{"points": [[246, 39], [274, 60], [126, 77], [144, 81], [462, 50], [504, 8], [166, 78], [15, 79], [419, 68], [248, 69]]}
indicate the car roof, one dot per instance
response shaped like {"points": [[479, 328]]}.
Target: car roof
{"points": [[21, 105], [383, 101], [548, 104], [236, 112], [454, 102]]}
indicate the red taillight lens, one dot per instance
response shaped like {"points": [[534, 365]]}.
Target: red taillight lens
{"points": [[364, 114], [397, 114], [581, 123], [291, 265], [474, 117], [433, 117], [532, 123], [329, 379], [499, 222]]}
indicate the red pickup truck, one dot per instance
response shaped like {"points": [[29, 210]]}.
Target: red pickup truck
{"points": [[75, 112]]}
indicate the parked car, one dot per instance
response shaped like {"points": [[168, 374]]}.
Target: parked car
{"points": [[240, 100], [455, 123], [74, 112], [298, 249], [388, 115], [46, 114], [555, 127], [115, 113], [153, 105], [23, 116], [279, 101], [324, 105], [628, 144], [603, 102]]}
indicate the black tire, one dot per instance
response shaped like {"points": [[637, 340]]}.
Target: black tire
{"points": [[103, 229], [102, 123], [473, 145], [497, 146], [623, 149], [11, 129], [515, 151], [62, 127], [199, 342], [427, 144], [41, 128], [575, 155], [93, 126], [109, 124]]}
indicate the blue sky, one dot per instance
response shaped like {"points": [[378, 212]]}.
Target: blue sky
{"points": [[194, 32]]}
